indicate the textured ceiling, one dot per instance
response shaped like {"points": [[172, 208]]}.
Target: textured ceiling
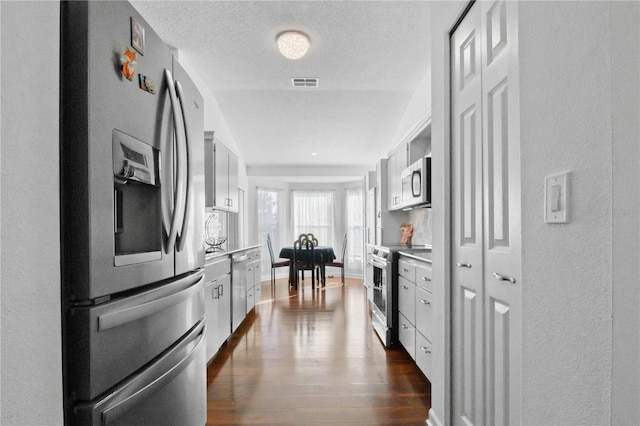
{"points": [[368, 55]]}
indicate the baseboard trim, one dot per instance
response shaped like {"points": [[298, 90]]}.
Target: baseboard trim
{"points": [[433, 419]]}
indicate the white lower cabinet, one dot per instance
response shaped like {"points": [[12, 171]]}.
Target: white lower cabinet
{"points": [[217, 303], [423, 354], [223, 309], [415, 310], [232, 288], [254, 292], [251, 300], [406, 299], [407, 335], [257, 276], [424, 312]]}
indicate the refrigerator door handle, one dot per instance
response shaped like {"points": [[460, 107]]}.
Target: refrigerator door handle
{"points": [[133, 313], [146, 384], [182, 235], [179, 196]]}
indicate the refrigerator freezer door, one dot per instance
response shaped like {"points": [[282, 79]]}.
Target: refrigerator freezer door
{"points": [[170, 391], [111, 341]]}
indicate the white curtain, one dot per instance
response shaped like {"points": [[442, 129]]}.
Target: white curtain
{"points": [[355, 230], [313, 213]]}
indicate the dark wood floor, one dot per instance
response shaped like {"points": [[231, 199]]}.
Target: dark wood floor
{"points": [[311, 357]]}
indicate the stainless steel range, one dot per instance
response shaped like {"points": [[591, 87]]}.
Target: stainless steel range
{"points": [[382, 268]]}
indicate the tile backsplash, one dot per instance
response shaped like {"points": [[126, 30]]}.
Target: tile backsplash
{"points": [[422, 231]]}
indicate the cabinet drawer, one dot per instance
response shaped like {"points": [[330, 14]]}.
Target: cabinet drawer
{"points": [[423, 276], [407, 335], [257, 273], [257, 292], [251, 301], [424, 312], [406, 299], [253, 254], [216, 268], [211, 314], [423, 354], [407, 270]]}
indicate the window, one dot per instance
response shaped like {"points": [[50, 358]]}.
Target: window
{"points": [[268, 223], [355, 230], [313, 213]]}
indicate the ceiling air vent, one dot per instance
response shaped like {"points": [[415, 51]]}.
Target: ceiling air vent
{"points": [[304, 82]]}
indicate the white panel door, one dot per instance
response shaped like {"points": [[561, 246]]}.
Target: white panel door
{"points": [[501, 183], [467, 239], [485, 219]]}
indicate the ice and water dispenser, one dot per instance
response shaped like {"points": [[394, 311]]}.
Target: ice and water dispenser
{"points": [[137, 200]]}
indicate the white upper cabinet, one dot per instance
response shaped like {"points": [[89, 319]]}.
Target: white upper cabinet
{"points": [[221, 175]]}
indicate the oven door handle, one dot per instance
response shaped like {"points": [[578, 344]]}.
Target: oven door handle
{"points": [[377, 263]]}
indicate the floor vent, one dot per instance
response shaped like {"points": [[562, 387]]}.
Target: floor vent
{"points": [[304, 82]]}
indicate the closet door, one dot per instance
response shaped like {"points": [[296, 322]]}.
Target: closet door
{"points": [[467, 292], [486, 296], [502, 223]]}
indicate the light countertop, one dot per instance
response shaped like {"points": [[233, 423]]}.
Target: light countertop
{"points": [[223, 253]]}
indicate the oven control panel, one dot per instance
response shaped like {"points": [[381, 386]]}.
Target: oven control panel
{"points": [[382, 253]]}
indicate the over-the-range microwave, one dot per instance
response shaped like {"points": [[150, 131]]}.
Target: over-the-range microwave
{"points": [[416, 184]]}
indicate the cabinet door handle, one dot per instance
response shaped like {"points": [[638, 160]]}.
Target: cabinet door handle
{"points": [[425, 349], [425, 278], [503, 278], [405, 287], [425, 302], [463, 265], [405, 270], [404, 327]]}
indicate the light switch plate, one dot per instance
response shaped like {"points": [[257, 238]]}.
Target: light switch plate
{"points": [[556, 209]]}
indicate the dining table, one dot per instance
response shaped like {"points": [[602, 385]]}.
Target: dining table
{"points": [[322, 255]]}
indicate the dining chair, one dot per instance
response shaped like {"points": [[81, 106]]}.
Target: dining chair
{"points": [[309, 236], [312, 238], [304, 259], [339, 263], [275, 263]]}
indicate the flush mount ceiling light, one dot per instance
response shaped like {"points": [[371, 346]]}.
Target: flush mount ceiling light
{"points": [[293, 44]]}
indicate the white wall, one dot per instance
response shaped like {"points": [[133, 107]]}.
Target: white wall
{"points": [[625, 66], [565, 91], [30, 225], [214, 118], [444, 14], [417, 113]]}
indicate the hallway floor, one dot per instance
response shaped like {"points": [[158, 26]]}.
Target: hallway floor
{"points": [[312, 357]]}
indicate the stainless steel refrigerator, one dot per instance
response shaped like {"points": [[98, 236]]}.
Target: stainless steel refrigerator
{"points": [[132, 189]]}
